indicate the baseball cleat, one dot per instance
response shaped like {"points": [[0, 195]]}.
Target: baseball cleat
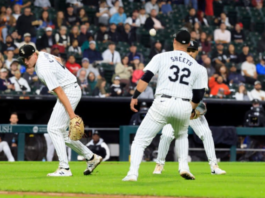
{"points": [[92, 164], [158, 169], [215, 170], [130, 178], [61, 172], [186, 174]]}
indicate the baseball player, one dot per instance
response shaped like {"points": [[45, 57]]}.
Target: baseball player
{"points": [[180, 87], [200, 127], [62, 84]]}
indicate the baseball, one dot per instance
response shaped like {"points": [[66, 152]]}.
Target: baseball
{"points": [[152, 32]]}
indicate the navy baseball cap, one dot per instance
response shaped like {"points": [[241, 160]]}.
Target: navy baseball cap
{"points": [[26, 51], [194, 45], [183, 37], [96, 133]]}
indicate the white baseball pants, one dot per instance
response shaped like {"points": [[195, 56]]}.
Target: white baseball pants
{"points": [[163, 111], [58, 124], [5, 147], [200, 127]]}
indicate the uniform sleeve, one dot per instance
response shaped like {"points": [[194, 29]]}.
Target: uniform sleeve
{"points": [[202, 79], [153, 65]]}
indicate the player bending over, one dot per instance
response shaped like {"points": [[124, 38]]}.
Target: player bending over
{"points": [[64, 85], [200, 127]]}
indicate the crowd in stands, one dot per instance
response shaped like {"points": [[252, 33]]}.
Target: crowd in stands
{"points": [[106, 44]]}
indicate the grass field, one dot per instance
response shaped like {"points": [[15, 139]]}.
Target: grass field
{"points": [[242, 180]]}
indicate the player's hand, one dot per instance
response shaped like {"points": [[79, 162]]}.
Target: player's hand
{"points": [[133, 103]]}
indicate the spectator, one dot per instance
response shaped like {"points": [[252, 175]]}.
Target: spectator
{"points": [[238, 35], [74, 33], [194, 3], [203, 56], [98, 146], [103, 13], [157, 49], [82, 81], [71, 65], [153, 22], [133, 53], [142, 16], [165, 7], [222, 35], [83, 16], [197, 29], [222, 71], [138, 72], [26, 23], [206, 45], [27, 40], [113, 35], [219, 56], [5, 84], [9, 46], [261, 44], [10, 58], [46, 41], [20, 83], [71, 18], [13, 68], [60, 20], [131, 92], [44, 4], [257, 93], [113, 10], [110, 55], [218, 88], [91, 53], [92, 81], [118, 18], [192, 18], [248, 70], [124, 71], [102, 34], [243, 56], [75, 48], [61, 38], [222, 19], [116, 87], [234, 76], [111, 3], [210, 69], [46, 22], [88, 68], [193, 36], [148, 93], [202, 19], [31, 78], [128, 35], [83, 34], [99, 90], [257, 3], [232, 55], [151, 5], [7, 21], [242, 93], [260, 67], [134, 21], [17, 11]]}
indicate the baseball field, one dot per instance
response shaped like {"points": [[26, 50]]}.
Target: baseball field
{"points": [[28, 180]]}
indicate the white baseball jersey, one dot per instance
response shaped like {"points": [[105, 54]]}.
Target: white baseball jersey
{"points": [[52, 73], [178, 74]]}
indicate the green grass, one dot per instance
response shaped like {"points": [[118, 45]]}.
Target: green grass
{"points": [[242, 180]]}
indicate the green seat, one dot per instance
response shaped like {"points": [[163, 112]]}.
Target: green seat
{"points": [[108, 71]]}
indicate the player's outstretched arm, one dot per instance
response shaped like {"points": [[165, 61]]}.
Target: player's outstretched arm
{"points": [[65, 101]]}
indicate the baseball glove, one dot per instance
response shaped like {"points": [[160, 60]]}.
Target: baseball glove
{"points": [[199, 111], [76, 128]]}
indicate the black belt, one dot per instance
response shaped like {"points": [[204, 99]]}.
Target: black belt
{"points": [[167, 96]]}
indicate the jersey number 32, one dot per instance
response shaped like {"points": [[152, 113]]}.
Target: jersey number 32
{"points": [[176, 76]]}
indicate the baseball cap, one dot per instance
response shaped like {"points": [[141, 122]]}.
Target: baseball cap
{"points": [[3, 70], [26, 50], [70, 5], [111, 43], [255, 101], [96, 133], [92, 42], [250, 55], [194, 45], [14, 61], [27, 34], [117, 78], [136, 57], [257, 82], [183, 37], [85, 59], [48, 29]]}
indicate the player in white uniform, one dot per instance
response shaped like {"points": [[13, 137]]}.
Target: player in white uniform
{"points": [[180, 87], [200, 127], [61, 83]]}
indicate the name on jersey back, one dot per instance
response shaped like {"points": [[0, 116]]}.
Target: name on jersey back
{"points": [[181, 59]]}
